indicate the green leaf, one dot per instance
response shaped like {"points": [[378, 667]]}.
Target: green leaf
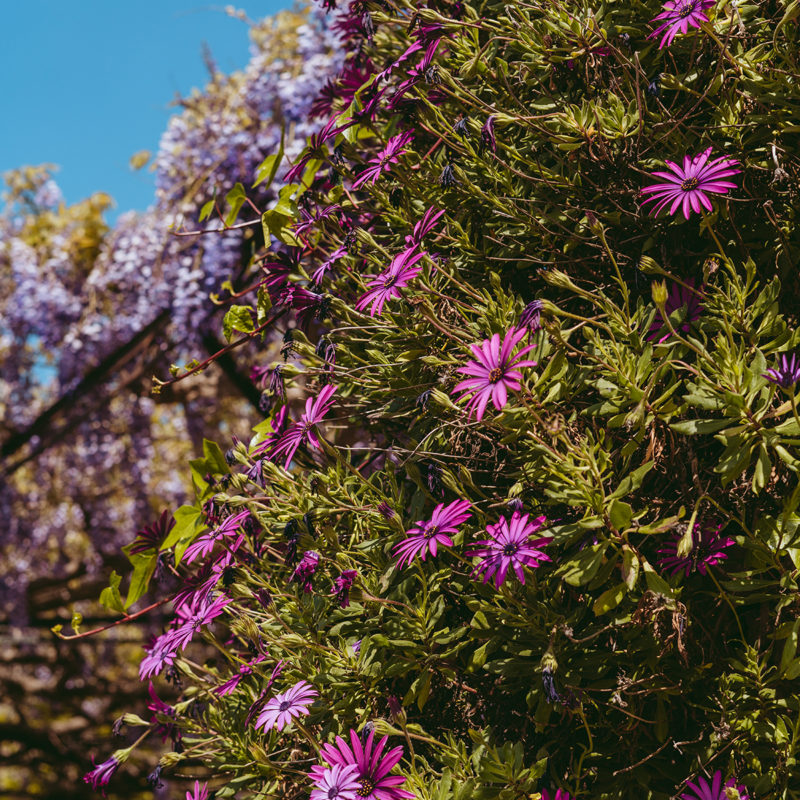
{"points": [[234, 200], [238, 318], [75, 622], [215, 458], [620, 514], [277, 225], [143, 568], [188, 523], [205, 211], [631, 482], [263, 306], [692, 427], [584, 566], [110, 596], [609, 600]]}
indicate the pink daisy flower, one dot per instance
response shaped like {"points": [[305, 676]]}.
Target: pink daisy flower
{"points": [[303, 432], [337, 783], [284, 707], [702, 790], [386, 286], [390, 154], [685, 187], [708, 550], [372, 766], [427, 535], [494, 371], [200, 792], [678, 16], [510, 547], [560, 794], [101, 774]]}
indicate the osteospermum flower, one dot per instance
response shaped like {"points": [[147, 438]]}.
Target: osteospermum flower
{"points": [[427, 535], [101, 774], [494, 371], [284, 707], [342, 586], [702, 790], [200, 792], [708, 550], [561, 794], [195, 618], [677, 17], [205, 543], [390, 154], [386, 286], [336, 783], [680, 297], [302, 432], [510, 547], [371, 766], [787, 373], [685, 186]]}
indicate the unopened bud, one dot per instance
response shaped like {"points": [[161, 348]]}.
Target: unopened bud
{"points": [[658, 289]]}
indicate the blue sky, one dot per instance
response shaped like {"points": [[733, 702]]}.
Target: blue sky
{"points": [[87, 83]]}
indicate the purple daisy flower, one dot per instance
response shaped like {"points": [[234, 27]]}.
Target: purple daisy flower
{"points": [[561, 794], [200, 792], [677, 17], [390, 154], [787, 373], [342, 585], [278, 426], [160, 655], [205, 543], [702, 790], [302, 432], [510, 546], [686, 186], [387, 285], [708, 550], [430, 219], [284, 707], [232, 683], [101, 774], [337, 783], [371, 766], [680, 297], [531, 316], [151, 536], [194, 619], [427, 535], [494, 372], [304, 571]]}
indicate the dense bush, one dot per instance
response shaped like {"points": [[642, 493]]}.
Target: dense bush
{"points": [[537, 520]]}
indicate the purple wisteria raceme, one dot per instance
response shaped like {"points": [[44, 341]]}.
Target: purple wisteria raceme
{"points": [[685, 186], [510, 547], [787, 373], [205, 543], [390, 154], [680, 297], [702, 790], [386, 286], [302, 432], [494, 371], [372, 766], [427, 535], [677, 17], [336, 783], [708, 550], [101, 774], [284, 707]]}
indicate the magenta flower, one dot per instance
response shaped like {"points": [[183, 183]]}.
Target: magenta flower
{"points": [[702, 790], [708, 550], [386, 286], [494, 372], [510, 546], [194, 619], [284, 707], [680, 297], [390, 154], [427, 535], [561, 794], [304, 571], [342, 585], [205, 543], [278, 425], [787, 373], [101, 774], [678, 16], [160, 655], [372, 766], [430, 219], [686, 186], [199, 792], [326, 266], [231, 684], [303, 432], [151, 536], [337, 783]]}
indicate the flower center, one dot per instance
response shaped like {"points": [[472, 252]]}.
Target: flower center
{"points": [[389, 281], [366, 788], [510, 549], [495, 375], [430, 532], [284, 705], [689, 184], [333, 792], [686, 9]]}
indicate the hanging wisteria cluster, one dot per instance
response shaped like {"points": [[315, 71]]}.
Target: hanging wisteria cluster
{"points": [[531, 529]]}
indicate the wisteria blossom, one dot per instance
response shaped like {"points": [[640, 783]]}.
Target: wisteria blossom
{"points": [[708, 550], [677, 17], [386, 286], [206, 542], [510, 547], [716, 790], [284, 707], [302, 432], [390, 154], [787, 373], [337, 783], [101, 774], [342, 585], [372, 766], [679, 297], [494, 371], [685, 186], [426, 536]]}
